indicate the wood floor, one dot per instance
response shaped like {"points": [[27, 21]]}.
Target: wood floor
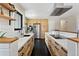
{"points": [[40, 48]]}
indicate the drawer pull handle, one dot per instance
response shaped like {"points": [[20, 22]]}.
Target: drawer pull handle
{"points": [[56, 48], [56, 43], [63, 49], [22, 54], [21, 49]]}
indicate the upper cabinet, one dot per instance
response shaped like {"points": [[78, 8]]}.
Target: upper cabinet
{"points": [[6, 10]]}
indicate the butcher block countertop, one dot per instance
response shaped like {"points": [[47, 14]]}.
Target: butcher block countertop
{"points": [[7, 40], [74, 39]]}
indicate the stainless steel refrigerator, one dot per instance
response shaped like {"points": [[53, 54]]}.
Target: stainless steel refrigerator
{"points": [[37, 30]]}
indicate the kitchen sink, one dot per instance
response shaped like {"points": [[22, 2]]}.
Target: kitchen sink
{"points": [[26, 35], [58, 37]]}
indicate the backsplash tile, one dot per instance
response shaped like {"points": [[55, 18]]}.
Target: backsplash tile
{"points": [[5, 27]]}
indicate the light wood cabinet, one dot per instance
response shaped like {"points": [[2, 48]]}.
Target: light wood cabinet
{"points": [[44, 27], [55, 48], [26, 50]]}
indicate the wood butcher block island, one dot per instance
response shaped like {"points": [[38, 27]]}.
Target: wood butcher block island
{"points": [[7, 40]]}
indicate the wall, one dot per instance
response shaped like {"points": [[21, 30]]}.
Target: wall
{"points": [[4, 23], [68, 24], [20, 9], [53, 23], [70, 19], [44, 25], [63, 23], [77, 26]]}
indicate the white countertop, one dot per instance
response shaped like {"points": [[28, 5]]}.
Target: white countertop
{"points": [[62, 42], [23, 40], [65, 34]]}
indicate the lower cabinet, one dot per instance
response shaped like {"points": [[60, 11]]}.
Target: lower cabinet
{"points": [[9, 49], [54, 48], [26, 50], [72, 51]]}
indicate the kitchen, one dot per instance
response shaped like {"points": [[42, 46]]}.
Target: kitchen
{"points": [[39, 29]]}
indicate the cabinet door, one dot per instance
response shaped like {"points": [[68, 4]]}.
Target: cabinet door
{"points": [[4, 46], [78, 49], [14, 49], [72, 48], [4, 52], [29, 49], [4, 49], [44, 27]]}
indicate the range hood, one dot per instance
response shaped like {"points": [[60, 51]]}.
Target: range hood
{"points": [[59, 9]]}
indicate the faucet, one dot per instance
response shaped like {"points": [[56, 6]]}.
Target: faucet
{"points": [[3, 34]]}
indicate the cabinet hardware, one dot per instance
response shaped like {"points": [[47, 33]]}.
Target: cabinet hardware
{"points": [[22, 54], [63, 49], [56, 47], [21, 49], [56, 43]]}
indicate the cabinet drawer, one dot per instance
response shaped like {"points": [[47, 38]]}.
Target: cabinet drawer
{"points": [[20, 54], [61, 52], [27, 53], [21, 51], [27, 48], [4, 45]]}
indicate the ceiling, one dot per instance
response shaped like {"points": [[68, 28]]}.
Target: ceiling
{"points": [[35, 10]]}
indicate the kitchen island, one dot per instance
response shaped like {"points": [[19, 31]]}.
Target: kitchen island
{"points": [[57, 47], [61, 44]]}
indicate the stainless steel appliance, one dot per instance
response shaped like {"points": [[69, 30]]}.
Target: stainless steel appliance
{"points": [[37, 30]]}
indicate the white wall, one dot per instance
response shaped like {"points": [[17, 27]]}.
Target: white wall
{"points": [[4, 23], [68, 24], [53, 23], [77, 27], [71, 18], [20, 9]]}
